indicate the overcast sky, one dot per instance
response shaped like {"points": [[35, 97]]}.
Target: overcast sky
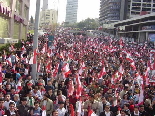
{"points": [[87, 8]]}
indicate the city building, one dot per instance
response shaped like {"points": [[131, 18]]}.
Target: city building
{"points": [[140, 28], [140, 7], [48, 18], [118, 10], [14, 15], [71, 11], [45, 5], [109, 11]]}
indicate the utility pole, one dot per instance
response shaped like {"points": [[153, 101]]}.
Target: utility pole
{"points": [[35, 39]]}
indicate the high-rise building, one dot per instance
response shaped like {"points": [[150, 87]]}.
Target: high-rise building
{"points": [[140, 7], [71, 11], [14, 15], [116, 10], [48, 17], [45, 5], [111, 10]]}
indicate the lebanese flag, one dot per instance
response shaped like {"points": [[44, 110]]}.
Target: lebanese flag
{"points": [[133, 65], [79, 87], [120, 72], [71, 88], [33, 57], [141, 96], [44, 49], [11, 48], [139, 79], [55, 71], [91, 113], [18, 86], [121, 43], [129, 58], [8, 60], [72, 110], [102, 73], [146, 75], [48, 67], [66, 70], [23, 48], [82, 68], [1, 78], [17, 58]]}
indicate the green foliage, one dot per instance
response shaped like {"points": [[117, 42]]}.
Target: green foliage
{"points": [[88, 24], [6, 46]]}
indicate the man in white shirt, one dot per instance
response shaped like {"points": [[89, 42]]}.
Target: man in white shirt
{"points": [[6, 103], [61, 110]]}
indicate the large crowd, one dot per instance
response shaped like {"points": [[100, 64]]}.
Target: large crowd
{"points": [[78, 75]]}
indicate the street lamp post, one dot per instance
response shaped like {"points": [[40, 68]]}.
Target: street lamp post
{"points": [[35, 39]]}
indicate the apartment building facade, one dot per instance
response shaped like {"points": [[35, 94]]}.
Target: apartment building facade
{"points": [[71, 11]]}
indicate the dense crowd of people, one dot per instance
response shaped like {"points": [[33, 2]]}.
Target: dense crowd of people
{"points": [[78, 75]]}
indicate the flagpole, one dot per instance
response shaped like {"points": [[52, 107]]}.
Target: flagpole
{"points": [[35, 39]]}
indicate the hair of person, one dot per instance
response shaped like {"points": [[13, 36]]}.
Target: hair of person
{"points": [[11, 103]]}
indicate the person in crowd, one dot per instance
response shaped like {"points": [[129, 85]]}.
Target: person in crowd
{"points": [[36, 110], [2, 107], [23, 108], [12, 111], [30, 99], [61, 110], [107, 111], [47, 104], [7, 101]]}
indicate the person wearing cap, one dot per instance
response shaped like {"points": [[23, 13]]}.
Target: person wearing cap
{"points": [[23, 108], [47, 104], [61, 110]]}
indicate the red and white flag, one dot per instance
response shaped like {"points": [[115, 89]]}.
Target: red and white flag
{"points": [[18, 86], [91, 113], [66, 70], [33, 58], [71, 88], [1, 77], [102, 73], [8, 60], [79, 87]]}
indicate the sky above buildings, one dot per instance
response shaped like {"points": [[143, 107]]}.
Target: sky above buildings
{"points": [[87, 8]]}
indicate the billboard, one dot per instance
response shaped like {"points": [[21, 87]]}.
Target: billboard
{"points": [[151, 37]]}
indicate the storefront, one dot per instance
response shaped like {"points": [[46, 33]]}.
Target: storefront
{"points": [[14, 18]]}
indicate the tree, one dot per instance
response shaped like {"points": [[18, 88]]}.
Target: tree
{"points": [[88, 24], [31, 19]]}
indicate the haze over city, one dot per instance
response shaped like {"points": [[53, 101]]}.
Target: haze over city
{"points": [[86, 8]]}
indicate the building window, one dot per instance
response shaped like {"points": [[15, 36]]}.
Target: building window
{"points": [[16, 30], [26, 12], [18, 7], [4, 28]]}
